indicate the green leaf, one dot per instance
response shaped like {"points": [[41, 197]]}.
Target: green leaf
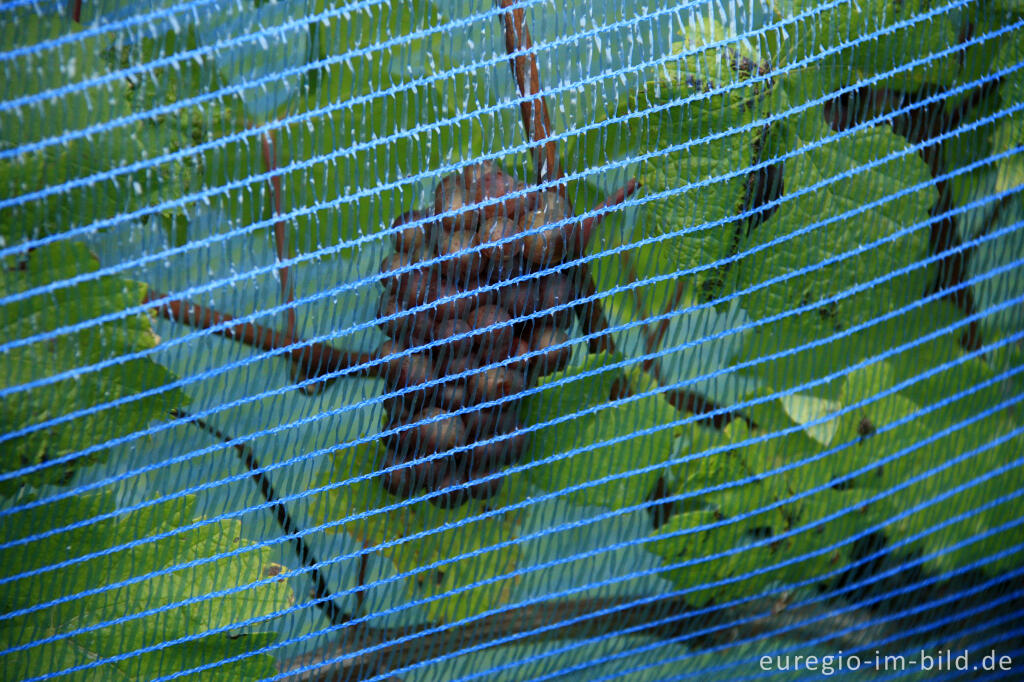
{"points": [[95, 155], [699, 218], [99, 612], [889, 47], [1005, 288], [361, 149], [803, 409], [275, 51], [73, 352], [878, 450], [585, 430], [709, 356], [445, 585], [821, 156]]}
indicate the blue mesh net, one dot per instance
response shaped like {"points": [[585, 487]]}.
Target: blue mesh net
{"points": [[521, 340]]}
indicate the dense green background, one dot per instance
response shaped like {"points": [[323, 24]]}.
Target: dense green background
{"points": [[814, 315]]}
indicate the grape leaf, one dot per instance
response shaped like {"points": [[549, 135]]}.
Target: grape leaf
{"points": [[1006, 134], [708, 356], [274, 51], [699, 218], [98, 613], [585, 430], [1003, 251], [108, 146], [819, 158], [714, 519], [73, 352], [366, 158], [440, 541], [898, 36]]}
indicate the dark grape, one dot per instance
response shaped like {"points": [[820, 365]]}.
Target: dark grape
{"points": [[421, 286], [543, 246], [491, 326], [413, 328], [400, 482], [414, 237], [554, 358], [452, 498], [408, 480], [401, 407], [450, 330], [501, 452], [461, 263], [458, 364], [455, 392], [494, 383], [452, 194], [470, 294], [520, 347], [482, 423], [496, 229], [390, 317], [486, 182], [405, 371], [522, 298], [392, 280], [451, 301], [427, 437], [483, 490], [557, 290]]}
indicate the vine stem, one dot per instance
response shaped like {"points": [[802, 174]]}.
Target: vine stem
{"points": [[655, 336], [537, 127], [534, 109], [315, 359], [324, 597], [269, 149], [375, 651]]}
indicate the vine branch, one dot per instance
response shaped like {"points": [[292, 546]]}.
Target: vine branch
{"points": [[534, 110], [324, 597], [351, 657], [537, 127], [280, 241], [315, 359]]}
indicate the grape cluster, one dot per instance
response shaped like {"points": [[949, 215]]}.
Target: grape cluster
{"points": [[473, 329]]}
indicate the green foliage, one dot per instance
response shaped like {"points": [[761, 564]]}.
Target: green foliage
{"points": [[99, 140], [850, 186], [877, 37], [586, 430], [88, 628], [446, 585], [757, 514], [753, 516], [791, 486], [65, 353]]}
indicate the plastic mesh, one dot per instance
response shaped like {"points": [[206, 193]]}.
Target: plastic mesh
{"points": [[516, 341]]}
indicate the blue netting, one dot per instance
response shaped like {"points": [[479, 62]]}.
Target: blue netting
{"points": [[512, 340]]}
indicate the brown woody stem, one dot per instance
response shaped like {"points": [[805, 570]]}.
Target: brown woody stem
{"points": [[536, 121], [371, 652], [592, 317], [655, 336], [280, 235], [315, 359]]}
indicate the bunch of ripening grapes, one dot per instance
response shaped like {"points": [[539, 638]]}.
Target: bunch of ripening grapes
{"points": [[474, 328]]}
